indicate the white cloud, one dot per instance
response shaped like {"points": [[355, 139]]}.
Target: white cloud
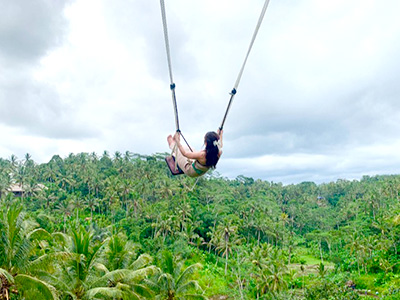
{"points": [[318, 99]]}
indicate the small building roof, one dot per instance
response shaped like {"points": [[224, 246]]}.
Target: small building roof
{"points": [[16, 188]]}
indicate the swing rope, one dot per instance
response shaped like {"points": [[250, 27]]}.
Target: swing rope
{"points": [[234, 90], [172, 84]]}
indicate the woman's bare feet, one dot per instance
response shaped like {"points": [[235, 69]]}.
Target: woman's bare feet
{"points": [[170, 140]]}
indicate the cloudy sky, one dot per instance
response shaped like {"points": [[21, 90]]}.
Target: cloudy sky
{"points": [[318, 100]]}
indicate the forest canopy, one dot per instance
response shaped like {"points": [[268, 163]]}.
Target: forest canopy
{"points": [[121, 227]]}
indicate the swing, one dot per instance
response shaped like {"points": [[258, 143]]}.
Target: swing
{"points": [[173, 166], [170, 160]]}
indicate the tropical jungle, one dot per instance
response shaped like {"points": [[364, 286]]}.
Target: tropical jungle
{"points": [[120, 226]]}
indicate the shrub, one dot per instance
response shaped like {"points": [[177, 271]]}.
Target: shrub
{"points": [[328, 291], [365, 282]]}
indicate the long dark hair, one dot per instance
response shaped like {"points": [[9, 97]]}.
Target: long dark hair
{"points": [[212, 151]]}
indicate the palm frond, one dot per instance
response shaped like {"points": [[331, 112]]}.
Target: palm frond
{"points": [[142, 261], [100, 267], [30, 287], [48, 262], [113, 276], [21, 254], [151, 284], [39, 234], [168, 263], [188, 286], [62, 239], [143, 290], [95, 252], [166, 281], [187, 273], [58, 282], [29, 225], [125, 275], [138, 275], [111, 293], [6, 275]]}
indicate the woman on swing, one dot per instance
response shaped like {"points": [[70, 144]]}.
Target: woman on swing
{"points": [[195, 164]]}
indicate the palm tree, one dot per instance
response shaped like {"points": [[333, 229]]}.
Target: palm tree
{"points": [[270, 270], [18, 271], [227, 240], [192, 237], [13, 163], [78, 204], [183, 213], [83, 275], [120, 253], [321, 270], [114, 190], [163, 226], [357, 249], [274, 276], [91, 203], [5, 181], [128, 156], [65, 210], [175, 281], [20, 176]]}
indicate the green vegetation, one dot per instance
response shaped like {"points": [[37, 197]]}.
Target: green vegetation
{"points": [[121, 227]]}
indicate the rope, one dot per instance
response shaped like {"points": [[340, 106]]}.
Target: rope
{"points": [[227, 109], [164, 20], [172, 84], [234, 90], [175, 105], [252, 42], [185, 141]]}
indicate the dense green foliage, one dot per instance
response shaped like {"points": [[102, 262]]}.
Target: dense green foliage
{"points": [[121, 227]]}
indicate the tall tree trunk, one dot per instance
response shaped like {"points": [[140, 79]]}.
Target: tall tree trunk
{"points": [[226, 261], [320, 250]]}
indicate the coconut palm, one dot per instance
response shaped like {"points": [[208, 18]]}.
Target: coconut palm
{"points": [[270, 270], [5, 182], [78, 204], [175, 280], [64, 208], [228, 238], [83, 275], [120, 253], [21, 268], [91, 203]]}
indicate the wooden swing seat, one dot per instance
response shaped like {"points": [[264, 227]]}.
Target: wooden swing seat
{"points": [[170, 160]]}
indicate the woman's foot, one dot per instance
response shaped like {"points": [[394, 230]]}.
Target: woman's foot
{"points": [[170, 140]]}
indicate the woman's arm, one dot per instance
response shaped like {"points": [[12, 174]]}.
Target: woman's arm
{"points": [[220, 133], [188, 154]]}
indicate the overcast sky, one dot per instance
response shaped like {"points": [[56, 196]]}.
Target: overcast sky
{"points": [[318, 100]]}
